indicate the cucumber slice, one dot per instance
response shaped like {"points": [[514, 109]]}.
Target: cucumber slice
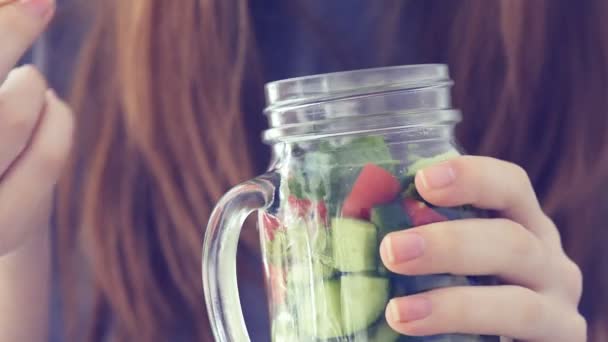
{"points": [[319, 312], [307, 273], [284, 328], [321, 248], [355, 245], [298, 243], [363, 299], [304, 243], [339, 307]]}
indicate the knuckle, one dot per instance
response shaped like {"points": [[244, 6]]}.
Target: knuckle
{"points": [[532, 308], [68, 114], [51, 156], [33, 74], [551, 233], [519, 171], [522, 177], [15, 118], [573, 276], [523, 244], [53, 152], [579, 324], [64, 111]]}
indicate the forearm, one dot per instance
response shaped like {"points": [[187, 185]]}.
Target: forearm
{"points": [[24, 291]]}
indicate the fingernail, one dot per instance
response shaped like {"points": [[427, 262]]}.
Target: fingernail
{"points": [[40, 8], [403, 247], [408, 309], [437, 176]]}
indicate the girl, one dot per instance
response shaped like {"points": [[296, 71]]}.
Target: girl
{"points": [[159, 87]]}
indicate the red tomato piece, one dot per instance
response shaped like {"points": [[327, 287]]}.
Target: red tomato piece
{"points": [[373, 186], [322, 211], [300, 206], [357, 209], [271, 225], [420, 213]]}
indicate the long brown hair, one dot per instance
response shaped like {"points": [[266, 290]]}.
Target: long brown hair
{"points": [[161, 136]]}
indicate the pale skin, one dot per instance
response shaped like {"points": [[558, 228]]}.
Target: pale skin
{"points": [[35, 137], [538, 302]]}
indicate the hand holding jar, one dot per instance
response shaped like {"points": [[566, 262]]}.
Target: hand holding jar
{"points": [[375, 228]]}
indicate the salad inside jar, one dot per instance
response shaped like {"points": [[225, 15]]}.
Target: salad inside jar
{"points": [[321, 240]]}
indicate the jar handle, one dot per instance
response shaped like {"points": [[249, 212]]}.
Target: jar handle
{"points": [[219, 255]]}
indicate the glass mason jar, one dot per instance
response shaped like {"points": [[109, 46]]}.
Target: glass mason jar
{"points": [[346, 147]]}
